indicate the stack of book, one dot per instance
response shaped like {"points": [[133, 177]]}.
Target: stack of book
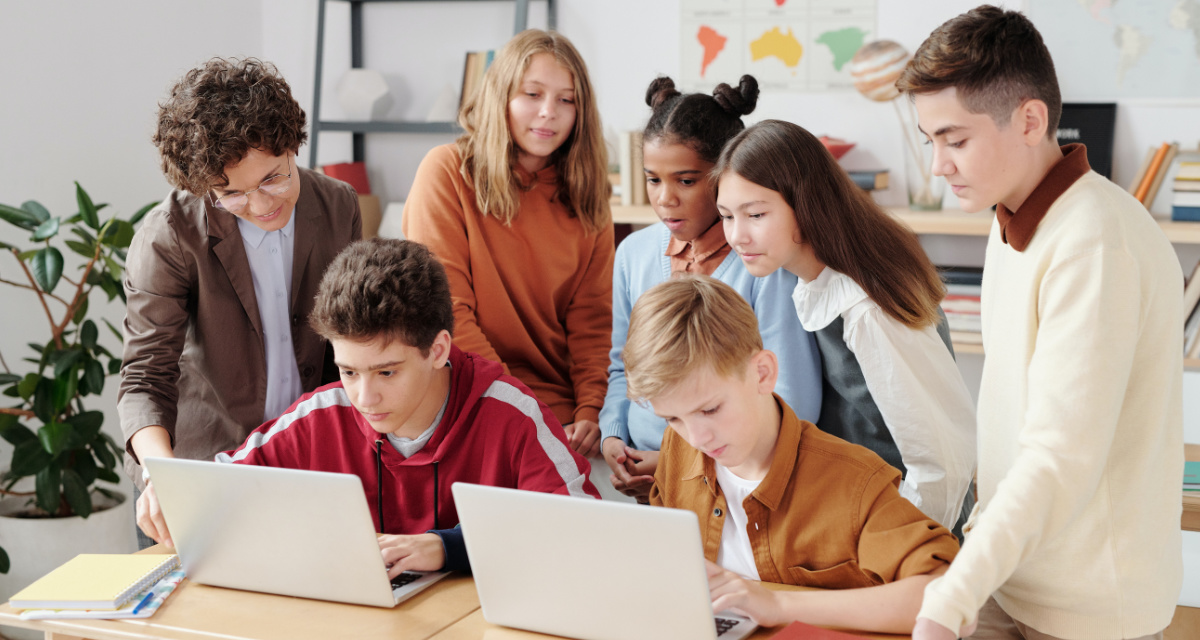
{"points": [[961, 304], [1149, 179], [101, 586], [870, 179], [1185, 205], [1191, 315], [477, 62], [1191, 476]]}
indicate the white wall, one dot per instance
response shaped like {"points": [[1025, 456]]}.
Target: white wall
{"points": [[80, 83]]}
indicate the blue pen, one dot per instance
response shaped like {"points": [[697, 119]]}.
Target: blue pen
{"points": [[145, 599]]}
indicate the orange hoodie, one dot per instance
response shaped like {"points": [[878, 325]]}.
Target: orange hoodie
{"points": [[535, 296]]}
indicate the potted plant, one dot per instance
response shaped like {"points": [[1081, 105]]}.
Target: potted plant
{"points": [[56, 439]]}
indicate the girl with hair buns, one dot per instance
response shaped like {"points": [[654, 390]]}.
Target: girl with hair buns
{"points": [[870, 295], [681, 143], [517, 211]]}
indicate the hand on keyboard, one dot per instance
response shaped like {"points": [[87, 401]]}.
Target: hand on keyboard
{"points": [[422, 552]]}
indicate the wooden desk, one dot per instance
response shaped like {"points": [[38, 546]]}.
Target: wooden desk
{"points": [[448, 610]]}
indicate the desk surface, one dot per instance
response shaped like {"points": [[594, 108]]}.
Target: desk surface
{"points": [[448, 610]]}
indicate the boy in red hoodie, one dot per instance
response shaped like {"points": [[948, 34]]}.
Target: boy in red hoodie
{"points": [[412, 405]]}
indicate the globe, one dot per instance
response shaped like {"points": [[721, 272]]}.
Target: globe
{"points": [[876, 67]]}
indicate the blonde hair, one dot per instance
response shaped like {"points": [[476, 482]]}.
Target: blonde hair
{"points": [[687, 322], [489, 155]]}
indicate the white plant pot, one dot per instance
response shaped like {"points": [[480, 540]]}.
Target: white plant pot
{"points": [[36, 546]]}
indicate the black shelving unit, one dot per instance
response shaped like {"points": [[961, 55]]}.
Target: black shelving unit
{"points": [[359, 129]]}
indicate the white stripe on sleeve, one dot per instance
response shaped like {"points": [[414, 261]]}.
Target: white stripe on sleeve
{"points": [[558, 452], [335, 397]]}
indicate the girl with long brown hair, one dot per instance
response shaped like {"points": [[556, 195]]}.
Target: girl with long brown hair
{"points": [[869, 294], [517, 211]]}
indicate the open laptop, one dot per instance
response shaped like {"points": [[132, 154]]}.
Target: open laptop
{"points": [[589, 569], [282, 531]]}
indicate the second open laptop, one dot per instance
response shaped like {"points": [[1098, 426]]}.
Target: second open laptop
{"points": [[296, 533], [589, 569]]}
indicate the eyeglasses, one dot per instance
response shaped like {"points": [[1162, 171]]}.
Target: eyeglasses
{"points": [[276, 185]]}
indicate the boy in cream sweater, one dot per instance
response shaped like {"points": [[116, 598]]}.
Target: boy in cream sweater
{"points": [[1076, 533]]}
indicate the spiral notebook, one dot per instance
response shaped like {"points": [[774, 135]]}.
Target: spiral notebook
{"points": [[95, 581]]}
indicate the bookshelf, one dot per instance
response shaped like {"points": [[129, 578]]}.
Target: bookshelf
{"points": [[948, 222], [358, 129]]}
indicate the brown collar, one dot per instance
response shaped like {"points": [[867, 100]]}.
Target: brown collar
{"points": [[1017, 227], [704, 246]]}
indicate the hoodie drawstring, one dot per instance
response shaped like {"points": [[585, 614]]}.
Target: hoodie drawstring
{"points": [[379, 482]]}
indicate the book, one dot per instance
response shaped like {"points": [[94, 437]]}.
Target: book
{"points": [[966, 337], [1186, 185], [801, 631], [1191, 334], [961, 275], [95, 581], [1141, 174], [1186, 199], [633, 175], [1188, 170], [1191, 475], [138, 607], [1164, 167], [1185, 214], [352, 173], [1143, 190], [1191, 293], [870, 180], [476, 64]]}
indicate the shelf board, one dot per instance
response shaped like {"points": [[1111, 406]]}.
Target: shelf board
{"points": [[968, 347], [951, 222], [384, 126]]}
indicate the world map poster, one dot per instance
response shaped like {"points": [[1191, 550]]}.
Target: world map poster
{"points": [[789, 45]]}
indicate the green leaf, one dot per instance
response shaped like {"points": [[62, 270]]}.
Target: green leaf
{"points": [[118, 451], [84, 235], [76, 493], [110, 287], [64, 360], [80, 311], [118, 234], [6, 246], [5, 565], [115, 330], [82, 248], [17, 433], [36, 210], [87, 210], [114, 269], [93, 374], [9, 378], [141, 213], [64, 391], [45, 230], [29, 458], [106, 457], [47, 267], [26, 256], [52, 396], [85, 426], [19, 217], [85, 465], [54, 437], [49, 487], [88, 333], [36, 347], [114, 366], [26, 387], [107, 475]]}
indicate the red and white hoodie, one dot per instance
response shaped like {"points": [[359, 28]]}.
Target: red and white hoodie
{"points": [[494, 432]]}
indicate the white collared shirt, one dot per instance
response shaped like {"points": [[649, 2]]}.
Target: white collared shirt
{"points": [[735, 553], [270, 256], [915, 383]]}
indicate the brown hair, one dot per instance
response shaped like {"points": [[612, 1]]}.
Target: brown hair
{"points": [[217, 113], [995, 59], [489, 155], [848, 232], [683, 323], [389, 289], [699, 121]]}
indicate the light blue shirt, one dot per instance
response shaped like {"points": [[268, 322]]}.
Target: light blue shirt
{"points": [[640, 264], [270, 256]]}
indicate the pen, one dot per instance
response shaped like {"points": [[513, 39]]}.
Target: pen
{"points": [[142, 603]]}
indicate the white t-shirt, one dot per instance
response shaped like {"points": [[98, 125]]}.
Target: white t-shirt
{"points": [[735, 553]]}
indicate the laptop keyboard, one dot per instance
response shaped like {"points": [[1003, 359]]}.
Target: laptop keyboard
{"points": [[405, 578], [725, 624]]}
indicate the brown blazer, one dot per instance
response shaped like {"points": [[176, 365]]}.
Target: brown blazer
{"points": [[194, 360]]}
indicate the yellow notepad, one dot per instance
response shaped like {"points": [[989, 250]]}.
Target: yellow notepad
{"points": [[95, 581]]}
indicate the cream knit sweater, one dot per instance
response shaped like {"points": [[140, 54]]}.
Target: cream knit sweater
{"points": [[1080, 427]]}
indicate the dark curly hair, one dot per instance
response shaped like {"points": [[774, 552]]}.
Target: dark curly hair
{"points": [[996, 60], [702, 122], [217, 113], [390, 289]]}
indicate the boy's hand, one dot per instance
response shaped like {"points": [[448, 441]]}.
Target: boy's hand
{"points": [[927, 629], [422, 552], [150, 517], [583, 436], [632, 470], [731, 592]]}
